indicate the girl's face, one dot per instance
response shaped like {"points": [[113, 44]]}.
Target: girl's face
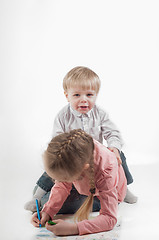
{"points": [[63, 176], [81, 100]]}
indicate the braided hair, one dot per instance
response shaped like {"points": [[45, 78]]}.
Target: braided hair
{"points": [[70, 152]]}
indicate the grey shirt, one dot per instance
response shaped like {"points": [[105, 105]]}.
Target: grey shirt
{"points": [[96, 123]]}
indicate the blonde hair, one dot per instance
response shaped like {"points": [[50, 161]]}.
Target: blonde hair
{"points": [[70, 152], [81, 77]]}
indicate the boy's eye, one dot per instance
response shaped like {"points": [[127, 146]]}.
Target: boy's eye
{"points": [[89, 94], [76, 95]]}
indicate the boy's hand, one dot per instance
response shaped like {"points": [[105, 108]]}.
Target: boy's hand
{"points": [[116, 152], [44, 218], [63, 228]]}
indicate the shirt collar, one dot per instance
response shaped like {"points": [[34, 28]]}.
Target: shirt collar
{"points": [[77, 114]]}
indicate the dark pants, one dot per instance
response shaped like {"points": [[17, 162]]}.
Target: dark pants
{"points": [[73, 202]]}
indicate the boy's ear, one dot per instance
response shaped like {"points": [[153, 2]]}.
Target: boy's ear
{"points": [[66, 95]]}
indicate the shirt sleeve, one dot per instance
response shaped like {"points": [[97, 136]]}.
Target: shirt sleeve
{"points": [[58, 126], [110, 132], [108, 196], [58, 195]]}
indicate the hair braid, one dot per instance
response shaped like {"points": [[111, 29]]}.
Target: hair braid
{"points": [[70, 152], [92, 184], [68, 142], [84, 211]]}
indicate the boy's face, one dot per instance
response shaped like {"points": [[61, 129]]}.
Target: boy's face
{"points": [[81, 100]]}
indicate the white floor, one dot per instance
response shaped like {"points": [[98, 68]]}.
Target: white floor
{"points": [[139, 221]]}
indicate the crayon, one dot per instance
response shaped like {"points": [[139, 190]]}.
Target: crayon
{"points": [[37, 207], [51, 223]]}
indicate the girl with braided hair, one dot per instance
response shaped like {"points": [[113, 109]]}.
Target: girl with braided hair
{"points": [[76, 158]]}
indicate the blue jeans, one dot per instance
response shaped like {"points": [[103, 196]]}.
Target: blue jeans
{"points": [[126, 169], [75, 200]]}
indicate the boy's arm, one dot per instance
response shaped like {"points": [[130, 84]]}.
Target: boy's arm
{"points": [[116, 152], [110, 132], [58, 126]]}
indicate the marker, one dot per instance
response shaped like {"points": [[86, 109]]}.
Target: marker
{"points": [[51, 223], [37, 207]]}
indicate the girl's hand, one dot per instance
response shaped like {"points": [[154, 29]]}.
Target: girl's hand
{"points": [[116, 152], [63, 228], [44, 218]]}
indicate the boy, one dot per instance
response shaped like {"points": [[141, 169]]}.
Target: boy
{"points": [[81, 86]]}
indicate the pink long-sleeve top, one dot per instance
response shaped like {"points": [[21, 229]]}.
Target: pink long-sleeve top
{"points": [[110, 185]]}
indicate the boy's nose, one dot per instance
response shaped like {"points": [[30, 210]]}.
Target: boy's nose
{"points": [[83, 99]]}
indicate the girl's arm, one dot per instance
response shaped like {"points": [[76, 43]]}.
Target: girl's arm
{"points": [[58, 195], [111, 184], [63, 228], [107, 217]]}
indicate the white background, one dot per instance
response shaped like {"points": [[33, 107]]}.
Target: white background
{"points": [[40, 41]]}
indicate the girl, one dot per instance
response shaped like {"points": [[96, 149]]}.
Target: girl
{"points": [[75, 158]]}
